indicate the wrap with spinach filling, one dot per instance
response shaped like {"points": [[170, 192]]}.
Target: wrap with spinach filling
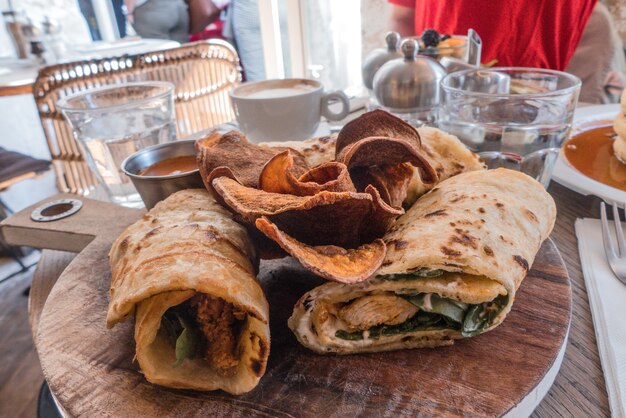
{"points": [[187, 270], [454, 262]]}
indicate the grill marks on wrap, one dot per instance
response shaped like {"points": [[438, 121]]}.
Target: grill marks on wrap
{"points": [[465, 232], [522, 262], [209, 236], [206, 235]]}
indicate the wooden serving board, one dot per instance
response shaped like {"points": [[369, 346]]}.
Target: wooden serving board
{"points": [[91, 371]]}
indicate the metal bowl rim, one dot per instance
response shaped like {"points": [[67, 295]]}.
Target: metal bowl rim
{"points": [[153, 148]]}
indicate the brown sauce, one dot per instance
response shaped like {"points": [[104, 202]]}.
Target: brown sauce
{"points": [[171, 166], [591, 153]]}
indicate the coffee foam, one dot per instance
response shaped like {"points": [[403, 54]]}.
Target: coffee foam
{"points": [[275, 89]]}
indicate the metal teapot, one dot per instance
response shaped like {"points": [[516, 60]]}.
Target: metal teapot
{"points": [[409, 84], [380, 56]]}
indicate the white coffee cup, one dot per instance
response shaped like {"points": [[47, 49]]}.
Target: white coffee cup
{"points": [[283, 110]]}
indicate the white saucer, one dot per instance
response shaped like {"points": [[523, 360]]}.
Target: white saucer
{"points": [[565, 174]]}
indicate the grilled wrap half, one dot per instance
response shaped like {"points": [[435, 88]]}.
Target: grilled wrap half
{"points": [[454, 263], [187, 269]]}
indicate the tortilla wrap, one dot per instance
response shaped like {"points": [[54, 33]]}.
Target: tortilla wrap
{"points": [[453, 265], [188, 261]]}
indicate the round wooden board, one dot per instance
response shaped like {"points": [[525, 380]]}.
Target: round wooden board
{"points": [[91, 370]]}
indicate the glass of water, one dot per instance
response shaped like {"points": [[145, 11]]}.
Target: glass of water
{"points": [[113, 122], [511, 117]]}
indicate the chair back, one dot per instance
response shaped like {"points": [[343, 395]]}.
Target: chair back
{"points": [[203, 74]]}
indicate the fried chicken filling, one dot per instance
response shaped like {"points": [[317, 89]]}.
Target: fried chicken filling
{"points": [[220, 323]]}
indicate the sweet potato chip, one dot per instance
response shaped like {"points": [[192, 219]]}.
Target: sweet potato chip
{"points": [[328, 218], [278, 177], [377, 123], [245, 160], [391, 181], [376, 151], [329, 261], [382, 217]]}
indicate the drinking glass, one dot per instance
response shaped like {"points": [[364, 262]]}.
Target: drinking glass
{"points": [[511, 117], [113, 122]]}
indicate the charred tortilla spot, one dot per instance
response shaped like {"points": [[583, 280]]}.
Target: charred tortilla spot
{"points": [[440, 212], [488, 250], [499, 205], [458, 198], [464, 240], [452, 224], [450, 252], [153, 232], [262, 348], [521, 261], [481, 210], [531, 215], [125, 243], [257, 367], [505, 240], [400, 244], [387, 263]]}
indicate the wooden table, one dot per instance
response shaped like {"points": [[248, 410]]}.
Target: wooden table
{"points": [[579, 388]]}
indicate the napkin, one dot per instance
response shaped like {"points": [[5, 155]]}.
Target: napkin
{"points": [[607, 298]]}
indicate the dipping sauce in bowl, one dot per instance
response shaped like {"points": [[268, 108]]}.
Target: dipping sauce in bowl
{"points": [[171, 166], [591, 153], [160, 170]]}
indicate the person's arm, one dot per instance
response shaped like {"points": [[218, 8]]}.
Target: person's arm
{"points": [[402, 20], [201, 14], [130, 8]]}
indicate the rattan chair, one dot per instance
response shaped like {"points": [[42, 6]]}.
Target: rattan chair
{"points": [[203, 72]]}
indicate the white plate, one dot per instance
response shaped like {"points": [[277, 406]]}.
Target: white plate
{"points": [[565, 174]]}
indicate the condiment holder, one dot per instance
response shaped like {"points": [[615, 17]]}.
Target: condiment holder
{"points": [[153, 189], [380, 56], [410, 85]]}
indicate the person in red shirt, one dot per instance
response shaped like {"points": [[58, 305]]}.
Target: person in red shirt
{"points": [[535, 33]]}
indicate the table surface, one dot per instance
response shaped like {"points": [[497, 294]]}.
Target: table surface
{"points": [[579, 388]]}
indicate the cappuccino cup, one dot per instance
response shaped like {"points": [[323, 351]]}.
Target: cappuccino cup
{"points": [[284, 110]]}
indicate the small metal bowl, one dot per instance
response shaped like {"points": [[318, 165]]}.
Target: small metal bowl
{"points": [[153, 189]]}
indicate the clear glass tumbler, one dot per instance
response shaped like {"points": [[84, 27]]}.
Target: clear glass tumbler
{"points": [[511, 117], [113, 122]]}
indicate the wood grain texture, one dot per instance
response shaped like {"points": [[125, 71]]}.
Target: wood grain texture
{"points": [[579, 389], [50, 266], [20, 373], [90, 368]]}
